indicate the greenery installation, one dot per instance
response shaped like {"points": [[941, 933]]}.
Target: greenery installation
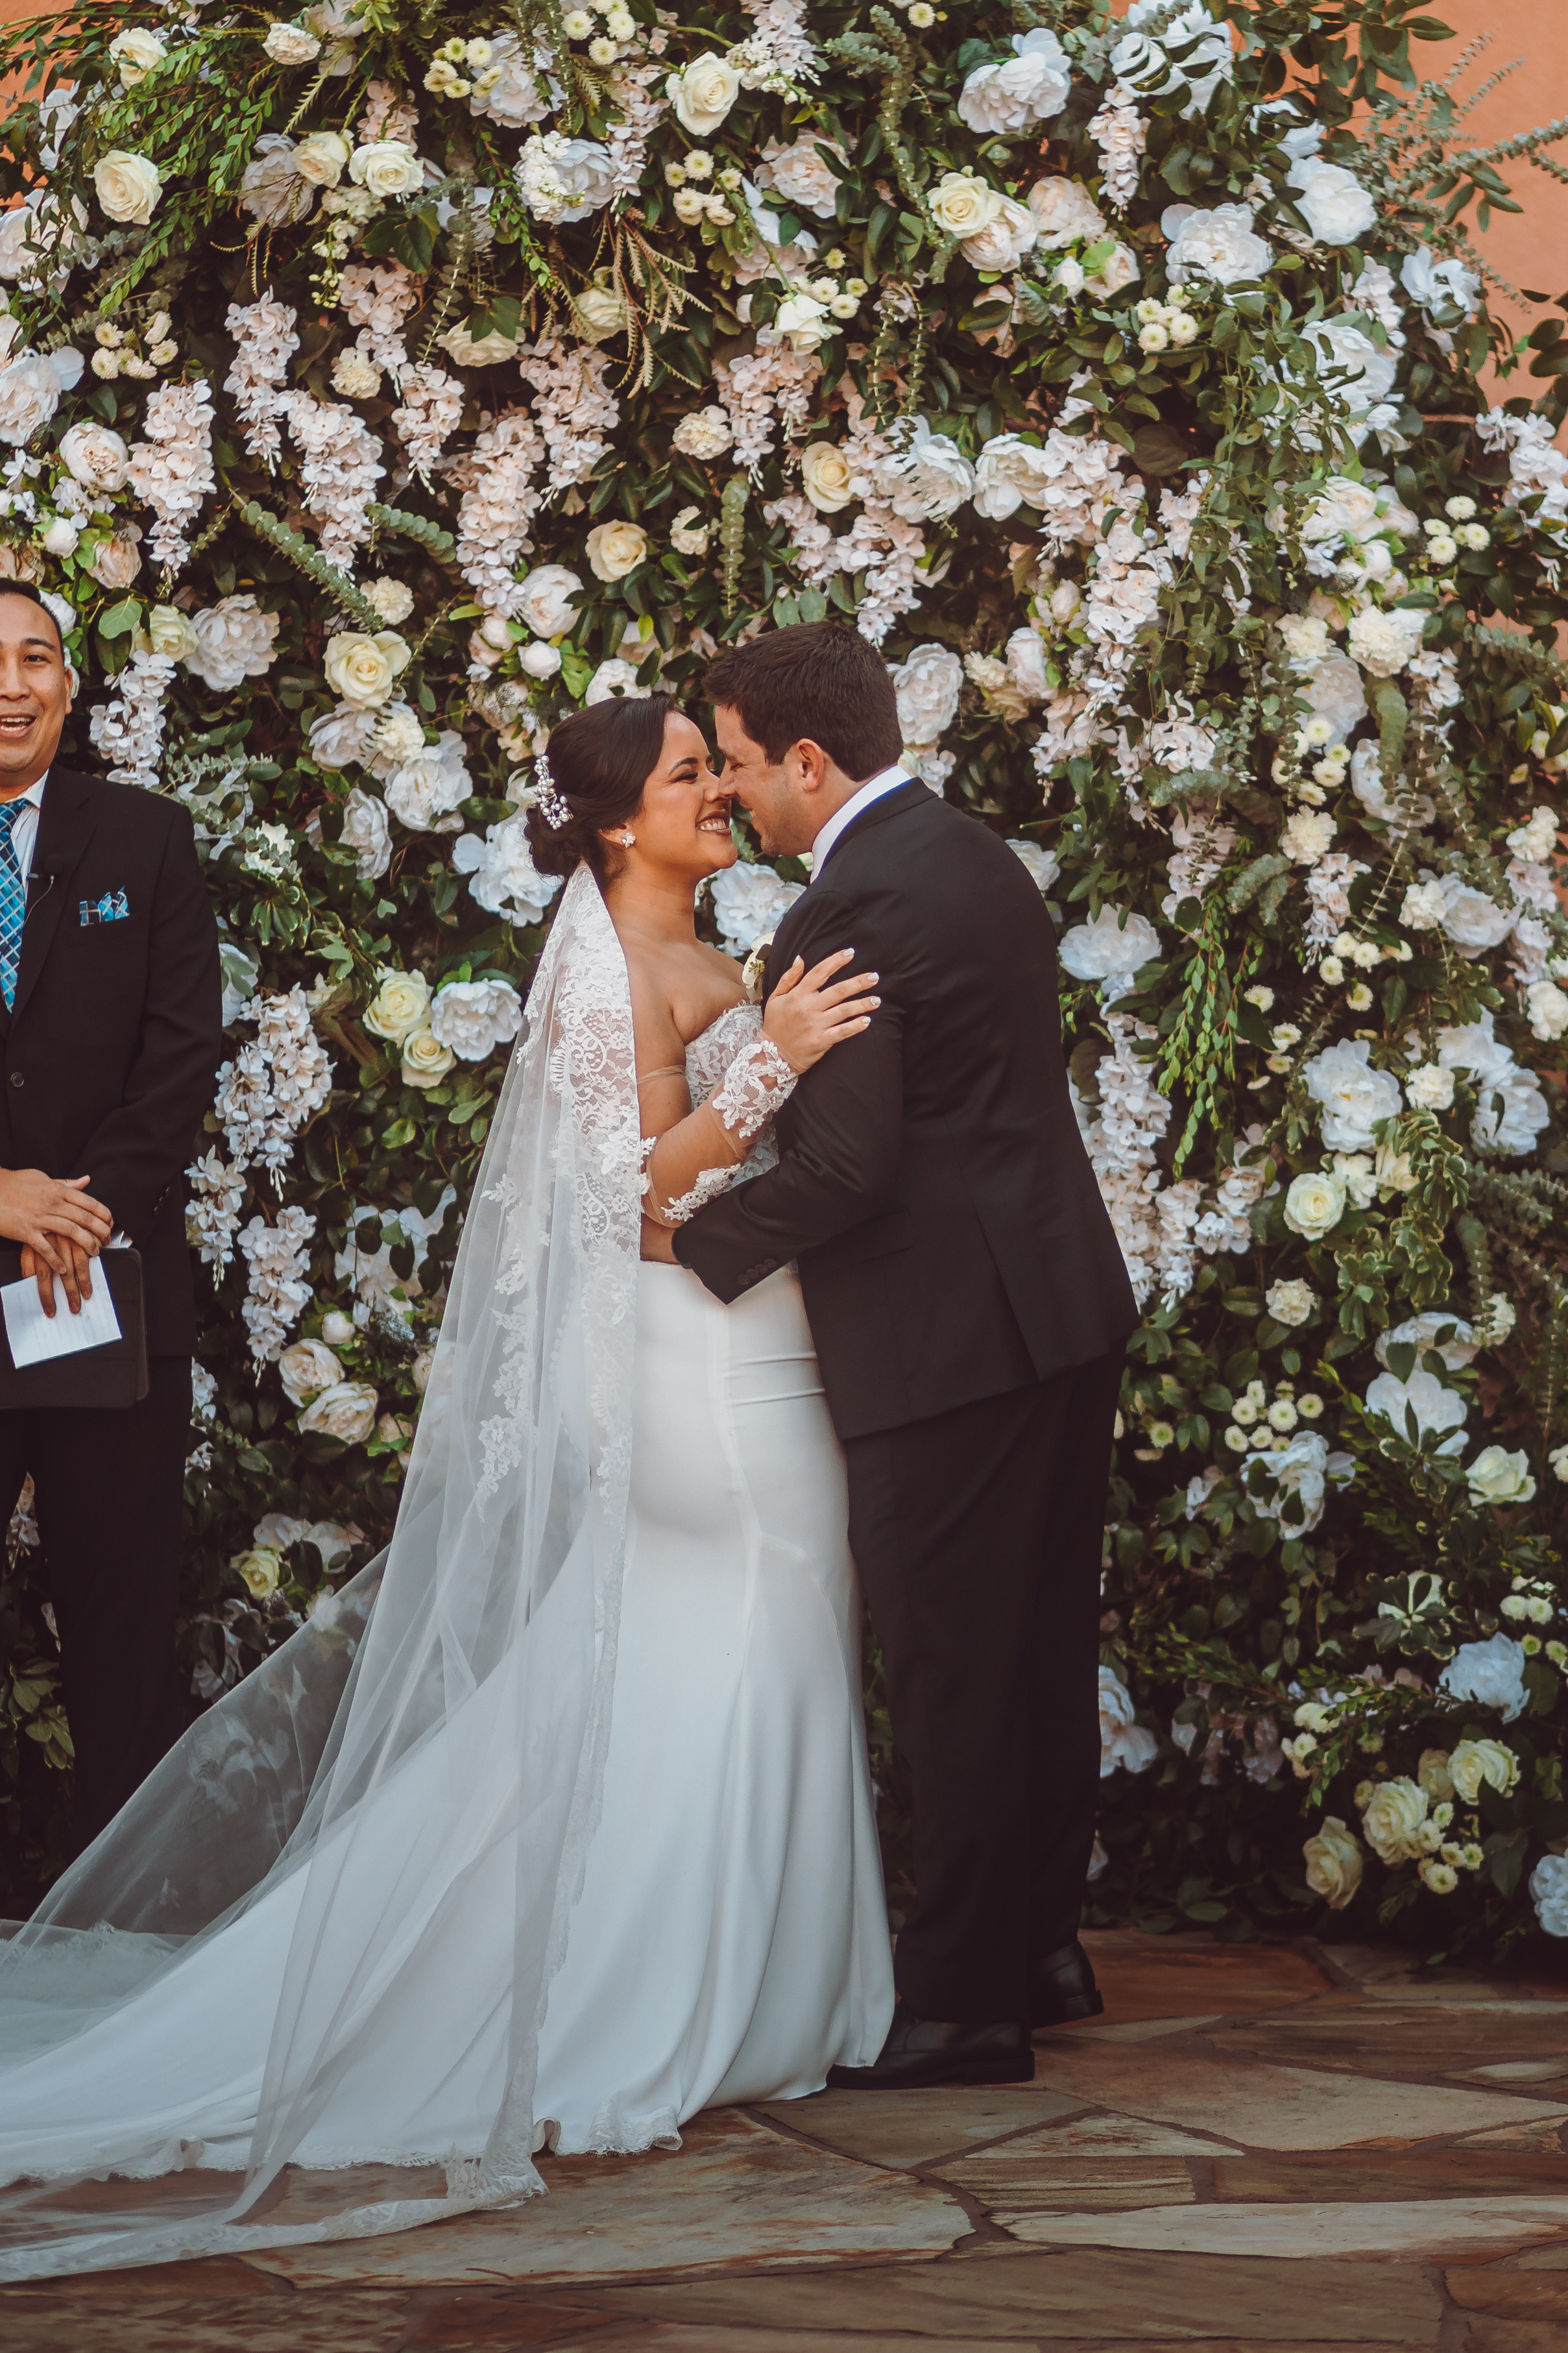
{"points": [[380, 384]]}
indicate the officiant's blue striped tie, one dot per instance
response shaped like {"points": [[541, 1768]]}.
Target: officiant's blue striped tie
{"points": [[13, 900]]}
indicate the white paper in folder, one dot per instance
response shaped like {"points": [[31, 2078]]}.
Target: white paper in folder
{"points": [[35, 1337]]}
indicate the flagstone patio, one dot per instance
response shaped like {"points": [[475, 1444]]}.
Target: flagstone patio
{"points": [[1258, 2147]]}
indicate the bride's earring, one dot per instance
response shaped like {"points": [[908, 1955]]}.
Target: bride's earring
{"points": [[626, 839]]}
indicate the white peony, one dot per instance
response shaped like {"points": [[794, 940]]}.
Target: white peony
{"points": [[1457, 1349], [427, 786], [612, 678], [234, 640], [503, 877], [345, 1412], [703, 92], [1549, 1893], [1384, 642], [703, 434], [927, 467], [474, 1017], [1334, 1859], [1353, 1095], [386, 167], [1304, 1470], [1219, 244], [365, 831], [1335, 691], [1005, 238], [305, 1368], [1492, 1673], [1014, 94], [1331, 201], [1122, 1741], [749, 903], [1065, 214], [1472, 920], [1011, 473], [563, 179], [95, 457], [802, 175], [128, 187], [1435, 1407], [1500, 1476], [543, 599], [1043, 865], [1111, 950], [1290, 1302], [928, 686], [1438, 285]]}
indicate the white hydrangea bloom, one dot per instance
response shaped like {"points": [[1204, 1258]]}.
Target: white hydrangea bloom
{"points": [[750, 902]]}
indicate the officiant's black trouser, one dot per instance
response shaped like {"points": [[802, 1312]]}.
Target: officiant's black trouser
{"points": [[109, 1489], [978, 1536]]}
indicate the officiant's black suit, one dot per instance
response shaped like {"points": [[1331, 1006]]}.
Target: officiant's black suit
{"points": [[107, 1062], [970, 1306]]}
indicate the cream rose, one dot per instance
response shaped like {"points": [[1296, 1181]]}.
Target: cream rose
{"points": [[128, 187], [703, 92], [1394, 1820], [385, 167], [399, 1005], [364, 669], [1315, 1204], [1333, 1859], [259, 1569], [306, 1367], [169, 632], [1496, 1476], [425, 1061], [136, 53], [962, 206], [346, 1411], [95, 457], [826, 477], [615, 548], [803, 322], [1475, 1761], [1065, 214], [543, 599], [1005, 239], [1434, 1776], [115, 561], [600, 313], [1290, 1302], [322, 159]]}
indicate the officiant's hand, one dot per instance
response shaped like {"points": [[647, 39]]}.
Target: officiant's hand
{"points": [[60, 1226]]}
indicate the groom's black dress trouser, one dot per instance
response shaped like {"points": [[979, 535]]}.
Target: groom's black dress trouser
{"points": [[978, 1536], [108, 1490]]}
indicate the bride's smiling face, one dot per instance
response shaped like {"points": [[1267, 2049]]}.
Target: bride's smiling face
{"points": [[682, 822]]}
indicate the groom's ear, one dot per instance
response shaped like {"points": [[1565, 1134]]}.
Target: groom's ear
{"points": [[810, 763]]}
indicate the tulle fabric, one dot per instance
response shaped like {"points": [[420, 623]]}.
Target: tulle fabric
{"points": [[482, 1675]]}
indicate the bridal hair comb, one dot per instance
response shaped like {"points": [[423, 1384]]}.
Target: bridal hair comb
{"points": [[548, 798]]}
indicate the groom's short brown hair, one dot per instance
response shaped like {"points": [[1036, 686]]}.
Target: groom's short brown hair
{"points": [[814, 680]]}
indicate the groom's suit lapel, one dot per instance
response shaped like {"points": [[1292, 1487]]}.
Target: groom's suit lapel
{"points": [[882, 812]]}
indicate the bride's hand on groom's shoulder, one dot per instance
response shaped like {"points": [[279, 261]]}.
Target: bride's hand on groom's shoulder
{"points": [[810, 1011]]}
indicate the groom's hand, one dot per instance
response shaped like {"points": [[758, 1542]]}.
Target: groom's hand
{"points": [[658, 1242]]}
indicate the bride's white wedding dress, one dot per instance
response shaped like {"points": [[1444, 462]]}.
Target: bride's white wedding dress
{"points": [[716, 1913]]}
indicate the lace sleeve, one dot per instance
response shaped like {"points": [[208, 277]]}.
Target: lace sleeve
{"points": [[696, 1159], [756, 1083]]}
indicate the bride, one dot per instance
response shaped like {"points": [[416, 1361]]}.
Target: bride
{"points": [[554, 1825]]}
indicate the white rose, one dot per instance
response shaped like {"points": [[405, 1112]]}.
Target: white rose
{"points": [[475, 1017], [1335, 692], [1042, 866], [364, 669], [235, 639], [346, 1411], [1314, 1204], [542, 659], [1218, 244], [600, 312], [425, 1061], [1016, 93], [259, 1570], [1119, 269], [60, 538], [366, 832], [1492, 1673], [128, 187], [615, 548], [803, 322], [826, 477], [95, 457], [1384, 642], [1112, 950], [399, 1005], [291, 45], [1344, 509], [1353, 1095], [1496, 1476], [1474, 921], [1393, 1821], [542, 599], [1025, 657], [703, 434], [321, 160], [1337, 345], [305, 1368], [504, 880], [385, 167], [1474, 1762], [136, 53], [1549, 1893], [1065, 214], [1290, 1302], [1122, 1741], [928, 470], [962, 205], [801, 174], [1436, 1409], [1005, 239], [614, 678], [928, 686], [169, 632], [425, 789], [749, 903], [703, 92], [1331, 201], [1334, 1859], [1548, 1009]]}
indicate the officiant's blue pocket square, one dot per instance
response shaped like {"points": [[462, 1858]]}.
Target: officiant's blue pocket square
{"points": [[115, 907]]}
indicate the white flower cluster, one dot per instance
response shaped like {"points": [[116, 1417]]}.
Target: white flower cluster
{"points": [[265, 343], [277, 1290], [573, 407], [340, 465], [763, 389], [172, 469], [128, 730], [499, 504], [275, 1084], [430, 412]]}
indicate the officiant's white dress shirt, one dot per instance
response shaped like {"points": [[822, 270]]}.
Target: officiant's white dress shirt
{"points": [[888, 781]]}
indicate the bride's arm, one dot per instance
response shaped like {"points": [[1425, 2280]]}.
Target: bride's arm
{"points": [[688, 1154]]}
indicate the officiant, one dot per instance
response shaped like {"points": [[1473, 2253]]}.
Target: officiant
{"points": [[111, 1035]]}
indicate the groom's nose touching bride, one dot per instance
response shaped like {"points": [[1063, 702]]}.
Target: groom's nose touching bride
{"points": [[970, 1309]]}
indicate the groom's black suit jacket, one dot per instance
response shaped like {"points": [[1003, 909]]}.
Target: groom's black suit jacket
{"points": [[107, 1055], [932, 1185]]}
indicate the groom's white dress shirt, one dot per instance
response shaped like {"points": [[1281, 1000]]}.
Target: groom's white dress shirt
{"points": [[861, 798]]}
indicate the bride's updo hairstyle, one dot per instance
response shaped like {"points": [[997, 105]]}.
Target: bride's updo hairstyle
{"points": [[600, 760]]}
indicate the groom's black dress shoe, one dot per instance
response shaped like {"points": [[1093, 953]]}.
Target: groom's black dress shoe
{"points": [[1062, 1989], [921, 2051]]}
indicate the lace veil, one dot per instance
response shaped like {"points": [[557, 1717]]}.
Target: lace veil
{"points": [[486, 1668]]}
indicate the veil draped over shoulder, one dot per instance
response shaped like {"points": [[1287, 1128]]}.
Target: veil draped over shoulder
{"points": [[460, 1686]]}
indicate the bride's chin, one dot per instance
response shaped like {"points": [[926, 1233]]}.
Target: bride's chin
{"points": [[721, 854]]}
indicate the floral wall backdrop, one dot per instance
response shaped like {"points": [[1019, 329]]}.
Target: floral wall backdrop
{"points": [[377, 385]]}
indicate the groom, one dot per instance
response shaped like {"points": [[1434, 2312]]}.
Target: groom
{"points": [[970, 1307]]}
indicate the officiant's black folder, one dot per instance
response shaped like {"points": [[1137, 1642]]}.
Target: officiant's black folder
{"points": [[114, 1375]]}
